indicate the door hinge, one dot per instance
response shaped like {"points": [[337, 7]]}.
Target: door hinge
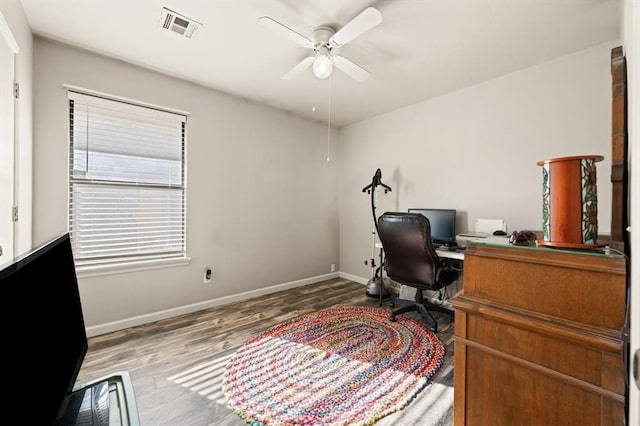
{"points": [[16, 90], [14, 214]]}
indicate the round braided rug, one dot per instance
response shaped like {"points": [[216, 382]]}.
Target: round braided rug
{"points": [[338, 366]]}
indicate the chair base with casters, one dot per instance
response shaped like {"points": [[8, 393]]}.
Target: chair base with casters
{"points": [[423, 308]]}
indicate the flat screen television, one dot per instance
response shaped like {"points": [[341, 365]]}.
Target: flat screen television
{"points": [[47, 341], [443, 224]]}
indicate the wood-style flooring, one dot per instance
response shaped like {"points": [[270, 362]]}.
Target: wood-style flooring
{"points": [[164, 358]]}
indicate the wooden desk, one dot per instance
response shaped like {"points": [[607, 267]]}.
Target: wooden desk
{"points": [[537, 337]]}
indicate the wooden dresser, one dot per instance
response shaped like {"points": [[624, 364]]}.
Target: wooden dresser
{"points": [[537, 337]]}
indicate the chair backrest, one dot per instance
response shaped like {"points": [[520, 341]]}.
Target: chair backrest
{"points": [[409, 255]]}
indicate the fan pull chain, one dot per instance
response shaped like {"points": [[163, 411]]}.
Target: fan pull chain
{"points": [[315, 96], [329, 125]]}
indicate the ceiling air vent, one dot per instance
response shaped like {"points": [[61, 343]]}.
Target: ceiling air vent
{"points": [[172, 21]]}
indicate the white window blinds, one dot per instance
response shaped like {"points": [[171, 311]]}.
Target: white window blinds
{"points": [[126, 181]]}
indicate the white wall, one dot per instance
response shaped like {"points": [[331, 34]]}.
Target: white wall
{"points": [[475, 150], [17, 21], [262, 203]]}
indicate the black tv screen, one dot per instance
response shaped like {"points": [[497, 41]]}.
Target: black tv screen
{"points": [[47, 341], [443, 224]]}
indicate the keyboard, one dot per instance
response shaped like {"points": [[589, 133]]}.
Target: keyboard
{"points": [[452, 248]]}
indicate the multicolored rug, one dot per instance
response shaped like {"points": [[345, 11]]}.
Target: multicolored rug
{"points": [[345, 365]]}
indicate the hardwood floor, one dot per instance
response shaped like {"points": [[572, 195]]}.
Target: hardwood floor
{"points": [[164, 357]]}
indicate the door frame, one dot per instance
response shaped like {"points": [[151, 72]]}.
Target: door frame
{"points": [[8, 37]]}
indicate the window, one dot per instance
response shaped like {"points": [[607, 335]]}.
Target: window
{"points": [[126, 181]]}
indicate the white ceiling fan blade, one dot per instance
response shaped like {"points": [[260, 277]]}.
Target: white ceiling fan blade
{"points": [[286, 31], [302, 65], [351, 69], [367, 19]]}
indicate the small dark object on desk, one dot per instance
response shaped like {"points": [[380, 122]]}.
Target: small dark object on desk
{"points": [[499, 232], [523, 238]]}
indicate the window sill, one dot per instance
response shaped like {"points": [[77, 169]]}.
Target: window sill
{"points": [[134, 266]]}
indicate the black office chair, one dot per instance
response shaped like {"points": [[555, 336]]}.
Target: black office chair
{"points": [[410, 259]]}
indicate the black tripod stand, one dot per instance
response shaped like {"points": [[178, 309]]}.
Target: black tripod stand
{"points": [[375, 286]]}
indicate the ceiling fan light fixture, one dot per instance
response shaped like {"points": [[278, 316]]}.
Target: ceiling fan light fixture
{"points": [[322, 66], [323, 39]]}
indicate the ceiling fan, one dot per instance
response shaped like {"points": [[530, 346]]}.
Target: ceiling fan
{"points": [[323, 40]]}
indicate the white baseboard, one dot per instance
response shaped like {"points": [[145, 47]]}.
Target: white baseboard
{"points": [[354, 278], [168, 313]]}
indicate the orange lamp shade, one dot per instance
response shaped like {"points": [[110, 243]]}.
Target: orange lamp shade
{"points": [[570, 201]]}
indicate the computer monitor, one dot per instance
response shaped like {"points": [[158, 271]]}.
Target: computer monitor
{"points": [[443, 224], [45, 339]]}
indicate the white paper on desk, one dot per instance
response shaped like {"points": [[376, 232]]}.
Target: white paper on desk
{"points": [[489, 225]]}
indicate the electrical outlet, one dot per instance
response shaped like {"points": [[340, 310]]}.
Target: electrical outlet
{"points": [[333, 267], [207, 275]]}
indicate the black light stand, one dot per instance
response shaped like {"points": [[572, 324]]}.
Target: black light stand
{"points": [[376, 283]]}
